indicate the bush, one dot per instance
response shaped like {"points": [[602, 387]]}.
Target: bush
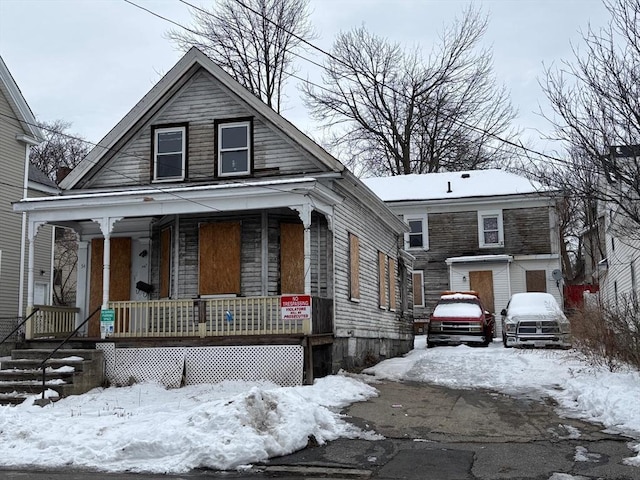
{"points": [[610, 334]]}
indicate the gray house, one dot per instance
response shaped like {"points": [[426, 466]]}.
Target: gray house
{"points": [[208, 222], [485, 230], [18, 131]]}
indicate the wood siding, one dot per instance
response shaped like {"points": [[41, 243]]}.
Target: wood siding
{"points": [[199, 103]]}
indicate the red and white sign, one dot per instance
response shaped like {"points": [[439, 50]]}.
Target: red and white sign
{"points": [[295, 307]]}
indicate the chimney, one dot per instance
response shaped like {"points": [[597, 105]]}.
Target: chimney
{"points": [[62, 172], [449, 187]]}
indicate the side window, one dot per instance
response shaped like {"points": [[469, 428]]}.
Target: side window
{"points": [[234, 149], [490, 229], [418, 288], [418, 234], [382, 280], [354, 268], [169, 153], [391, 269]]}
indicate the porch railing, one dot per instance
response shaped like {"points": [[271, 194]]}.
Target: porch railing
{"points": [[53, 321], [203, 317]]}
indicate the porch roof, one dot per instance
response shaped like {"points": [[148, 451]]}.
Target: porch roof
{"points": [[140, 202]]}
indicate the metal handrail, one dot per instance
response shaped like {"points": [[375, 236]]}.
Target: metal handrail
{"points": [[43, 365], [35, 310]]}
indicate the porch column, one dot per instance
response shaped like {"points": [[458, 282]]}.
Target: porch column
{"points": [[304, 212], [106, 226], [31, 236]]}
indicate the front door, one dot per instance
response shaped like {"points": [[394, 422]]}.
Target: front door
{"points": [[482, 282], [119, 277]]}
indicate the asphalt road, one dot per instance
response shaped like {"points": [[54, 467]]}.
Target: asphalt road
{"points": [[441, 434]]}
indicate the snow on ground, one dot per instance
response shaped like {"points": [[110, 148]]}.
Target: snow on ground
{"points": [[230, 425], [582, 390]]}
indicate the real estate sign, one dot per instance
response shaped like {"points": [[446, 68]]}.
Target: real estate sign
{"points": [[295, 307]]}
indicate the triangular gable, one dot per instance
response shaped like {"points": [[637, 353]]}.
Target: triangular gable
{"points": [[186, 66], [19, 106]]}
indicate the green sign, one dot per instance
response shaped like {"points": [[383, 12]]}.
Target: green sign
{"points": [[107, 322]]}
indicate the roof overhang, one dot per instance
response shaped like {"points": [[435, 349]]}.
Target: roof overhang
{"points": [[146, 202], [480, 259]]}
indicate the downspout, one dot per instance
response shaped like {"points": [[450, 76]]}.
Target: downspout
{"points": [[28, 141]]}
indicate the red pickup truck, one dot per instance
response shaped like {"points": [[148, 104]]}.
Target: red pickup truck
{"points": [[460, 318]]}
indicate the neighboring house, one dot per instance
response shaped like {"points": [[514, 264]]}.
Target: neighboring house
{"points": [[486, 230], [207, 221], [18, 131], [619, 270]]}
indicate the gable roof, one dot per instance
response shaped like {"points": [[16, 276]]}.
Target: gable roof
{"points": [[191, 59], [19, 106], [452, 185]]}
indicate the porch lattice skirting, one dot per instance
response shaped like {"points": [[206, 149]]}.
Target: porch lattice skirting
{"points": [[281, 364]]}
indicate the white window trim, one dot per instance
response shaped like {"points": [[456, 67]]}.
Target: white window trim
{"points": [[221, 127], [421, 273], [425, 232], [490, 213], [157, 132]]}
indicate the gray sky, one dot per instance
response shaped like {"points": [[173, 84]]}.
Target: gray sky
{"points": [[90, 61]]}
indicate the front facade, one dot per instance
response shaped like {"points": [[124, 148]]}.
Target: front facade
{"points": [[486, 230], [204, 218], [18, 131]]}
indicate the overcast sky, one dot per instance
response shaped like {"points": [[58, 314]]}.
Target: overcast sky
{"points": [[89, 61]]}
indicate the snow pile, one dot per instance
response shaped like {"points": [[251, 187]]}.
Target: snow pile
{"points": [[582, 391], [148, 428]]}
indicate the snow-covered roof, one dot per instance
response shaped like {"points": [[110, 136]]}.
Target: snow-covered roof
{"points": [[446, 185]]}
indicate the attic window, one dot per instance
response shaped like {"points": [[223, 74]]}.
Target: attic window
{"points": [[234, 149], [169, 153]]}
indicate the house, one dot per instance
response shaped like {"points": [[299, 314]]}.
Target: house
{"points": [[485, 230], [18, 131], [618, 270], [218, 241]]}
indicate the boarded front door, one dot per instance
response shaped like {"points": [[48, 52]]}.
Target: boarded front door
{"points": [[482, 282], [119, 276], [291, 258], [219, 258]]}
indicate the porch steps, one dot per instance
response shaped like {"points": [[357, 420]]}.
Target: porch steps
{"points": [[69, 372]]}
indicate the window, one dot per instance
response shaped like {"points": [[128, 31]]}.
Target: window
{"points": [[391, 269], [169, 153], [234, 149], [418, 288], [536, 280], [382, 280], [354, 268], [418, 234], [490, 232]]}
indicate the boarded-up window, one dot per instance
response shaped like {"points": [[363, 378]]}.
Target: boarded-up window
{"points": [[165, 263], [382, 280], [354, 267], [392, 283], [219, 258], [418, 288], [536, 281], [291, 258]]}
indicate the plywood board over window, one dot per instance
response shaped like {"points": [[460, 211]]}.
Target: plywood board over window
{"points": [[354, 267], [418, 288], [382, 280], [219, 247], [292, 258], [392, 283], [119, 276], [536, 281]]}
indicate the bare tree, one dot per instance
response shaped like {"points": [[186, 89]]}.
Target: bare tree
{"points": [[253, 40], [596, 111], [399, 112], [60, 151]]}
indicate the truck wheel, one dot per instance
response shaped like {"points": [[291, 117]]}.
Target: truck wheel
{"points": [[504, 341]]}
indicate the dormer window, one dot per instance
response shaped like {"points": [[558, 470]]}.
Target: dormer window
{"points": [[234, 149], [169, 153]]}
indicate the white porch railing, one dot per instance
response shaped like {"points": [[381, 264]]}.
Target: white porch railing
{"points": [[203, 317], [52, 321]]}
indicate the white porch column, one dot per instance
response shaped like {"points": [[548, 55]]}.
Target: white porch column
{"points": [[304, 212], [106, 226]]}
